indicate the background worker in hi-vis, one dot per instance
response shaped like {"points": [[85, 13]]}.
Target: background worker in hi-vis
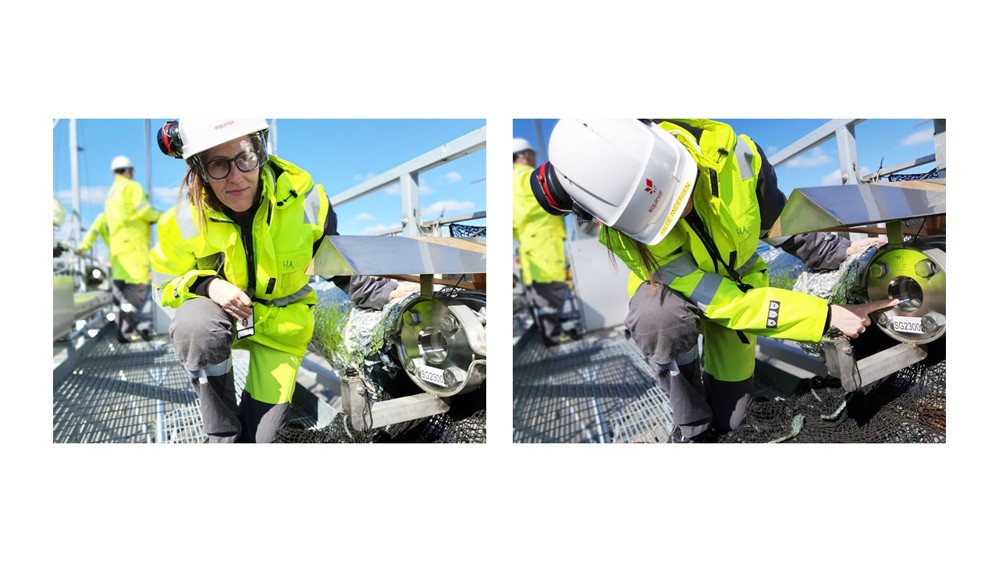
{"points": [[684, 204], [541, 247], [125, 227]]}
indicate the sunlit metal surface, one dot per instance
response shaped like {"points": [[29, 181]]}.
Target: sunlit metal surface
{"points": [[393, 255], [438, 342], [917, 276], [838, 207]]}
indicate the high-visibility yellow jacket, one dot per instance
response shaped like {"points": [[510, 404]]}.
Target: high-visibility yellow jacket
{"points": [[99, 227], [541, 236], [729, 287], [268, 261], [129, 220]]}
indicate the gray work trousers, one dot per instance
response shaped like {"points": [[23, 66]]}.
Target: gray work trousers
{"points": [[547, 300], [127, 317], [664, 326], [202, 334]]}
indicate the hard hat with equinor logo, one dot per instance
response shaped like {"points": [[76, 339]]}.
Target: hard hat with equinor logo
{"points": [[120, 163], [189, 137], [635, 178], [520, 145]]}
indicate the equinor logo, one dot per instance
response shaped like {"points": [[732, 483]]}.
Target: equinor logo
{"points": [[656, 202], [223, 125]]}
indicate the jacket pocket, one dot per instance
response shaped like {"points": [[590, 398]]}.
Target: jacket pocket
{"points": [[290, 276]]}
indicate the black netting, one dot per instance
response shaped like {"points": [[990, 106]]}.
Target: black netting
{"points": [[466, 231], [464, 422], [907, 407], [932, 174]]}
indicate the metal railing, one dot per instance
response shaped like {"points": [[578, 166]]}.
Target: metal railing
{"points": [[846, 143], [407, 175]]}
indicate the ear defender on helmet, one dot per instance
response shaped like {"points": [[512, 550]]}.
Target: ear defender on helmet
{"points": [[168, 139], [549, 192]]}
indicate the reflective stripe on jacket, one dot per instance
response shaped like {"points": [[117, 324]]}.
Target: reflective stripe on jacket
{"points": [[725, 200], [129, 221]]}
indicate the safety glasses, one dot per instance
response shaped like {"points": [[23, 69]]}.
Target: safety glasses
{"points": [[221, 168]]}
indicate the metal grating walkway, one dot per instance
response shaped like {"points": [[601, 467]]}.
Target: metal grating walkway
{"points": [[108, 392], [579, 391]]}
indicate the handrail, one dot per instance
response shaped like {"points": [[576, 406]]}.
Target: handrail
{"points": [[407, 175]]}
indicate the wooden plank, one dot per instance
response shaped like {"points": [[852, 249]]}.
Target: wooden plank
{"points": [[438, 281], [463, 243], [917, 184]]}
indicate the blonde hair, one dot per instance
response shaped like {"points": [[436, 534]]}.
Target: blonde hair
{"points": [[199, 196], [649, 263]]}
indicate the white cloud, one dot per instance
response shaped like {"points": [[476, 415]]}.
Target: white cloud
{"points": [[165, 197], [361, 177], [771, 150], [449, 206], [453, 177], [88, 195], [919, 137], [364, 217], [834, 177], [379, 228], [810, 159]]}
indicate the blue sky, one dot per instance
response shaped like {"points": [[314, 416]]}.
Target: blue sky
{"points": [[895, 140], [338, 153]]}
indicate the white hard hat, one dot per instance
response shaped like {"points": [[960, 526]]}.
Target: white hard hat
{"points": [[634, 177], [120, 162], [519, 145], [198, 135]]}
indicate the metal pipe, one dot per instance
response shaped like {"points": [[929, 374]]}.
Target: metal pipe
{"points": [[87, 326]]}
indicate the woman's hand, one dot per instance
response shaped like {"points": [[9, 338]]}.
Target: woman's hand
{"points": [[860, 245], [231, 298], [403, 288], [852, 319]]}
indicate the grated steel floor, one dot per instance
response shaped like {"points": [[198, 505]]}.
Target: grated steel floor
{"points": [[581, 392], [108, 392]]}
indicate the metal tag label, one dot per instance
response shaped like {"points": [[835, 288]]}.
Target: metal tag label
{"points": [[909, 325], [432, 375]]}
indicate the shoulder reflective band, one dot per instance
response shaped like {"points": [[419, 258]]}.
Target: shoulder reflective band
{"points": [[705, 290], [313, 204], [744, 156], [681, 266], [185, 222]]}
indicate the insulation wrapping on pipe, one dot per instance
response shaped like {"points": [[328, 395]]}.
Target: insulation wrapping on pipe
{"points": [[839, 286], [350, 337]]}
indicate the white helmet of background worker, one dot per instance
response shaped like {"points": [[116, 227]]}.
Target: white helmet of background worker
{"points": [[188, 138], [520, 145], [120, 163], [635, 178]]}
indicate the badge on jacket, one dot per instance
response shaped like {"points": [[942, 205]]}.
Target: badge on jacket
{"points": [[244, 326]]}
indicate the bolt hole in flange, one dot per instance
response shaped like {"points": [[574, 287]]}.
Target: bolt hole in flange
{"points": [[916, 276], [907, 291], [433, 344]]}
